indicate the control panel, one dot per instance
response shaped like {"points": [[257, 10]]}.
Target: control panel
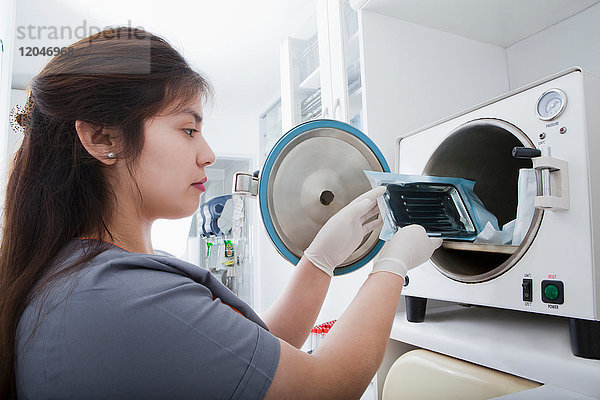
{"points": [[552, 291]]}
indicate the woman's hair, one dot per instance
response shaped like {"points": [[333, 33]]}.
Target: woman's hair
{"points": [[118, 78]]}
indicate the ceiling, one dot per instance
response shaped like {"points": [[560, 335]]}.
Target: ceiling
{"points": [[234, 42], [501, 23]]}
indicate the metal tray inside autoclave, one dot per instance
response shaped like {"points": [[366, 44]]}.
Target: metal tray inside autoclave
{"points": [[437, 207]]}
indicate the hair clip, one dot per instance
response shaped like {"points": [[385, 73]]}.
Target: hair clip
{"points": [[16, 118], [20, 116]]}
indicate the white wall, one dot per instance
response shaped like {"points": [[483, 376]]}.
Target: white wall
{"points": [[272, 270], [572, 42], [231, 133], [415, 75]]}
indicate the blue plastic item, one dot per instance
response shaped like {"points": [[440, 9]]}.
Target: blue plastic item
{"points": [[211, 212]]}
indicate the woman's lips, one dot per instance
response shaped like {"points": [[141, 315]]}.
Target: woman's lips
{"points": [[200, 185]]}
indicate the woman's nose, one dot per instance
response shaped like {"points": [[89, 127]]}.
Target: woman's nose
{"points": [[206, 156]]}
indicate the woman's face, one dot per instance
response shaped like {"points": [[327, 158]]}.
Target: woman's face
{"points": [[170, 171]]}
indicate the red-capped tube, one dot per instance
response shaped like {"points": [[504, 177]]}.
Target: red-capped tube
{"points": [[319, 335], [313, 339]]}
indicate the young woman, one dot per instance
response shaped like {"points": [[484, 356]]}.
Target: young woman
{"points": [[88, 309]]}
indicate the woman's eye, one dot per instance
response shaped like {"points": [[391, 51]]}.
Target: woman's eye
{"points": [[190, 131]]}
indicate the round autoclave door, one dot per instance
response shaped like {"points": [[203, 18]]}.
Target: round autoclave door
{"points": [[311, 173], [481, 151]]}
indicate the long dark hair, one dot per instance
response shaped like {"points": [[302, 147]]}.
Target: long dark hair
{"points": [[56, 191]]}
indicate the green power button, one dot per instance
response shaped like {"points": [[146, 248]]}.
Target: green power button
{"points": [[551, 292]]}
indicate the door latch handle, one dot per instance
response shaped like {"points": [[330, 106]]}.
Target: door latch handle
{"points": [[555, 183], [555, 178]]}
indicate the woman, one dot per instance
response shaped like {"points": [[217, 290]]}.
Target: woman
{"points": [[89, 310]]}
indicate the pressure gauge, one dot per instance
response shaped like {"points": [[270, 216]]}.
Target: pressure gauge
{"points": [[551, 104]]}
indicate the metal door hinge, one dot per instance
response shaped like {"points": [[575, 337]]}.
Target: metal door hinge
{"points": [[245, 184]]}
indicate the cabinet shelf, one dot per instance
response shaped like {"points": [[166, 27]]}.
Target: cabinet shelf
{"points": [[481, 247], [312, 81], [356, 92]]}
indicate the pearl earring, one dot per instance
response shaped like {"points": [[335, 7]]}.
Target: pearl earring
{"points": [[111, 155]]}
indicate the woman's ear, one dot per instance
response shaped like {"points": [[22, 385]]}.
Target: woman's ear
{"points": [[100, 142]]}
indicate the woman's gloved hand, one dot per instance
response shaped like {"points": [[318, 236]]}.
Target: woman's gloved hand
{"points": [[344, 231], [408, 248]]}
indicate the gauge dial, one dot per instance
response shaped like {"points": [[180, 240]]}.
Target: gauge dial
{"points": [[551, 104]]}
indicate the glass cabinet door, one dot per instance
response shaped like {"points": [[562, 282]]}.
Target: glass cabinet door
{"points": [[320, 68], [270, 128], [352, 63], [305, 73], [309, 82]]}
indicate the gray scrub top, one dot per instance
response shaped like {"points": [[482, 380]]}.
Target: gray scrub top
{"points": [[141, 326]]}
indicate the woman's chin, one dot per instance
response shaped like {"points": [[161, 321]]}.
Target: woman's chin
{"points": [[179, 212]]}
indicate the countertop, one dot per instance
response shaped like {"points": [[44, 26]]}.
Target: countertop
{"points": [[533, 346]]}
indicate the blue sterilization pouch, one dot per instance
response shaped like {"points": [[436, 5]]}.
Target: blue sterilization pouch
{"points": [[446, 207]]}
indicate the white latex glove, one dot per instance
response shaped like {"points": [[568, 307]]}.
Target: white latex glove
{"points": [[408, 248], [344, 231]]}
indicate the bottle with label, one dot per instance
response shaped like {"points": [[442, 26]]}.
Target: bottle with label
{"points": [[229, 253]]}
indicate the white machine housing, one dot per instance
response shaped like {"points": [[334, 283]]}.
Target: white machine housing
{"points": [[566, 246]]}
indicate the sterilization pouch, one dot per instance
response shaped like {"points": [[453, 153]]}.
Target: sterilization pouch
{"points": [[514, 232], [446, 207], [526, 205]]}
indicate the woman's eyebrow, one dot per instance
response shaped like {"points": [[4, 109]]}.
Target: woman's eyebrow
{"points": [[196, 116]]}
